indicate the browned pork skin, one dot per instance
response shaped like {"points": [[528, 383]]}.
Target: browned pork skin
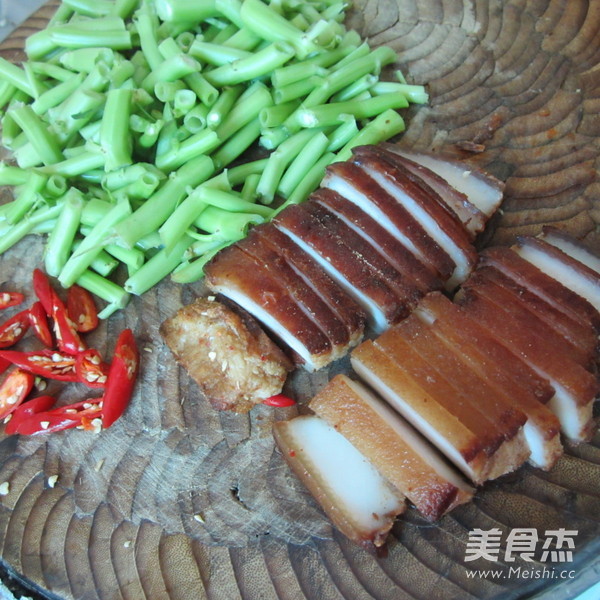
{"points": [[357, 499], [472, 218], [305, 297], [573, 274], [351, 182], [583, 337], [571, 246], [431, 405], [482, 281], [246, 281], [443, 225], [355, 276], [373, 233], [530, 277], [392, 446], [314, 276], [482, 189], [503, 370], [574, 387]]}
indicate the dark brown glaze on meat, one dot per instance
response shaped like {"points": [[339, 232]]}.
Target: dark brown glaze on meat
{"points": [[345, 307], [524, 273], [582, 337], [314, 306], [427, 249], [356, 270], [482, 281], [380, 238], [234, 270], [472, 218], [531, 346]]}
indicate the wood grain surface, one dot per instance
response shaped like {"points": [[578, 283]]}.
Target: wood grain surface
{"points": [[176, 501]]}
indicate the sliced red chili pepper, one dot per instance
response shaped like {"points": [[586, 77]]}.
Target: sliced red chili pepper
{"points": [[10, 299], [39, 323], [14, 390], [64, 417], [26, 409], [91, 369], [12, 330], [43, 290], [81, 309], [121, 378], [67, 338], [4, 364], [279, 400], [52, 364]]}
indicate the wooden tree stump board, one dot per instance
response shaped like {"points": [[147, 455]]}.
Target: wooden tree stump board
{"points": [[177, 501]]}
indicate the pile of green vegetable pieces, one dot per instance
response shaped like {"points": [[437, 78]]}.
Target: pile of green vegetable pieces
{"points": [[130, 120]]}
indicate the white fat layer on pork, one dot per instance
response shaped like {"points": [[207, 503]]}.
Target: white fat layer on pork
{"points": [[354, 484], [345, 189], [413, 439], [575, 251], [563, 273], [574, 419], [269, 322], [377, 318], [485, 197], [414, 418], [463, 269]]}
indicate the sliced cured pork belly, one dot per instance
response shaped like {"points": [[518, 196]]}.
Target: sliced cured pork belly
{"points": [[351, 182], [247, 282], [571, 246], [574, 387], [582, 336], [502, 369], [483, 190], [554, 262], [410, 463], [536, 281], [405, 263], [520, 313], [314, 307], [426, 206], [349, 269], [428, 401], [357, 499], [315, 277], [472, 218]]}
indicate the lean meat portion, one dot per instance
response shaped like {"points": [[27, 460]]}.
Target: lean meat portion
{"points": [[357, 499]]}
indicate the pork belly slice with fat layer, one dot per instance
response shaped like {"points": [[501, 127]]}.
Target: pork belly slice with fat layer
{"points": [[502, 369], [573, 274], [482, 190], [310, 302], [351, 271], [505, 421], [429, 403], [484, 283], [351, 182], [239, 277], [472, 218], [410, 463], [571, 246], [357, 499], [508, 262], [574, 387], [443, 225], [316, 278], [405, 263]]}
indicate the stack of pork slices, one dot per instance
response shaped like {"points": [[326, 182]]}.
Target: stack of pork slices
{"points": [[384, 229], [458, 392]]}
